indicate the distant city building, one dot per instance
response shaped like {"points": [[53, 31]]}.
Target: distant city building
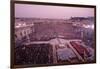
{"points": [[44, 28]]}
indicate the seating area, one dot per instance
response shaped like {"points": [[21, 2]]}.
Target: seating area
{"points": [[80, 49]]}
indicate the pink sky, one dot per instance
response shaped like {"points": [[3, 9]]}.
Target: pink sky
{"points": [[58, 12]]}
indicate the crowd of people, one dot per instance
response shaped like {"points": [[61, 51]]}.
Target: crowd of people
{"points": [[33, 54]]}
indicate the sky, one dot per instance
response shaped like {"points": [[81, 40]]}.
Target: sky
{"points": [[56, 12]]}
